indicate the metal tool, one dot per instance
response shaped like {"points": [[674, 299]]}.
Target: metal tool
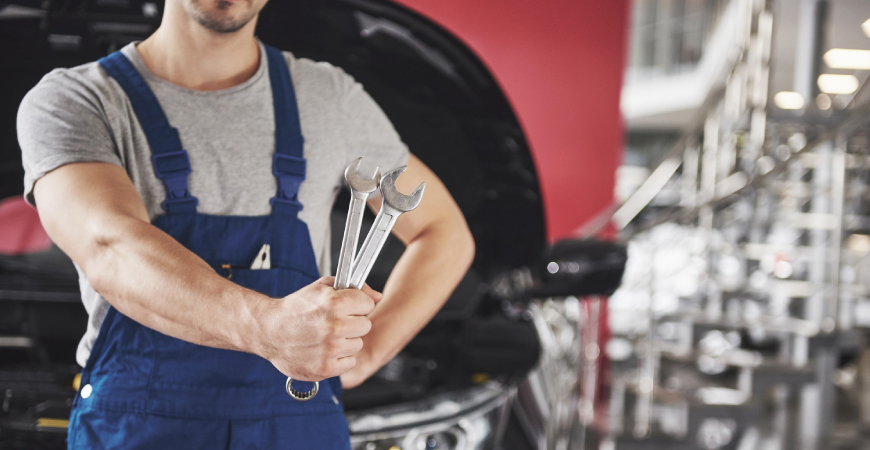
{"points": [[393, 205], [299, 395], [360, 188]]}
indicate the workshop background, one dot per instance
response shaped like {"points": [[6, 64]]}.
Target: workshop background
{"points": [[669, 200]]}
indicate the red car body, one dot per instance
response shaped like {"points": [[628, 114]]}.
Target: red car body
{"points": [[560, 63]]}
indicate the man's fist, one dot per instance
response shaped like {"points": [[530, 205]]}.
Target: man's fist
{"points": [[314, 333]]}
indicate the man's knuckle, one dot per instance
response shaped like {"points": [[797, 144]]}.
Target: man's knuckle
{"points": [[337, 301], [331, 347], [336, 328]]}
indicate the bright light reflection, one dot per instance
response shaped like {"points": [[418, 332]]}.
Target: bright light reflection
{"points": [[842, 58], [866, 27], [789, 100], [823, 101], [838, 84], [552, 267]]}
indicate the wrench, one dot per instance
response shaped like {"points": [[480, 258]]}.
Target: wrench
{"points": [[393, 204], [359, 191]]}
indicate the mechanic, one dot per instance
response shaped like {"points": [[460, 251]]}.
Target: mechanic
{"points": [[187, 346]]}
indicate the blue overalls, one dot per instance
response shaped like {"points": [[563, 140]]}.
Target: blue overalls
{"points": [[144, 390]]}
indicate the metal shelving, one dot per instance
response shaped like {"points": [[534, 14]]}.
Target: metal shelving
{"points": [[748, 283]]}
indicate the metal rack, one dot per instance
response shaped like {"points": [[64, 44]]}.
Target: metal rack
{"points": [[748, 274]]}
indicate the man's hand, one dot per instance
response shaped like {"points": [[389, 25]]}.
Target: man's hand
{"points": [[314, 333]]}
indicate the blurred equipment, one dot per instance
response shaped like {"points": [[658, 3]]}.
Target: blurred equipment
{"points": [[744, 307], [581, 268]]}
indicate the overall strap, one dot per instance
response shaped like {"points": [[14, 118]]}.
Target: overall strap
{"points": [[171, 161], [288, 165]]}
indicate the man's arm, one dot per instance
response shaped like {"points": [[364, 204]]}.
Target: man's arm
{"points": [[439, 250], [94, 214]]}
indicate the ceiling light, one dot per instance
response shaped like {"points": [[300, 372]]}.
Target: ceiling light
{"points": [[866, 27], [841, 58], [838, 84], [789, 100]]}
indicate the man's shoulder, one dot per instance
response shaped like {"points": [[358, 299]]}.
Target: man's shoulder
{"points": [[86, 82], [85, 74], [318, 77], [311, 68]]}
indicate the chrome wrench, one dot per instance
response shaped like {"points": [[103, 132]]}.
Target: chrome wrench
{"points": [[360, 188], [393, 204]]}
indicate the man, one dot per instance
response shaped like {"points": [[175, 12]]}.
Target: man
{"points": [[156, 169]]}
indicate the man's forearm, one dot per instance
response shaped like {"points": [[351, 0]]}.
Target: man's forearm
{"points": [[421, 282], [93, 212], [150, 277]]}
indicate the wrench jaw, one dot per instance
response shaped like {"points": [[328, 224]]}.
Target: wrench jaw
{"points": [[358, 183], [393, 205], [396, 199]]}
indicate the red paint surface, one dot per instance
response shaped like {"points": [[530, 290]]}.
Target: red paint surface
{"points": [[20, 229], [560, 63]]}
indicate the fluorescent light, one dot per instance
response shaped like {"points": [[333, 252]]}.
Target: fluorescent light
{"points": [[838, 84], [841, 58], [789, 100], [866, 27]]}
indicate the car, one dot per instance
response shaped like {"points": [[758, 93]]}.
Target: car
{"points": [[513, 104]]}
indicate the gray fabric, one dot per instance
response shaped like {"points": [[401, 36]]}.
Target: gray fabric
{"points": [[81, 114]]}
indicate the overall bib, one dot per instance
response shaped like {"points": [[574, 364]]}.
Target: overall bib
{"points": [[144, 390]]}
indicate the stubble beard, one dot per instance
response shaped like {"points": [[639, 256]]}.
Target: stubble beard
{"points": [[217, 18]]}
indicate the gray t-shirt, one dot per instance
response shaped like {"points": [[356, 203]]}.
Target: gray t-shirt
{"points": [[82, 114]]}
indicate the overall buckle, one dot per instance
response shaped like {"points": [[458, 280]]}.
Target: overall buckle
{"points": [[174, 168], [289, 172], [171, 164]]}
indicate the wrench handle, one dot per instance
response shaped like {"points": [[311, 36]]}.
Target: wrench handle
{"points": [[372, 246], [349, 241]]}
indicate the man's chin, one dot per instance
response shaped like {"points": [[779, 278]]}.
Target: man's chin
{"points": [[222, 16], [224, 26]]}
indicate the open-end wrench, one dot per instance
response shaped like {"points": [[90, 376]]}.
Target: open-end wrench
{"points": [[393, 204], [360, 188]]}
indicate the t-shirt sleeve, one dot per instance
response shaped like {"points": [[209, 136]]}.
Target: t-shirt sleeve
{"points": [[62, 121], [369, 131]]}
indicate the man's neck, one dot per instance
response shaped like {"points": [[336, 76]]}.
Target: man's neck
{"points": [[192, 56]]}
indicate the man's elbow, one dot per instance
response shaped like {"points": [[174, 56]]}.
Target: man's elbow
{"points": [[464, 244], [98, 255], [96, 264]]}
